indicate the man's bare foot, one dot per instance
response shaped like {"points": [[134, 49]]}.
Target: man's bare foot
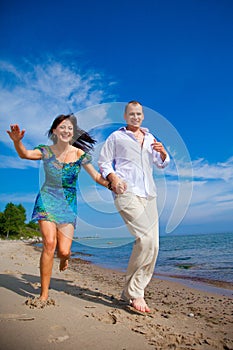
{"points": [[63, 264], [139, 304]]}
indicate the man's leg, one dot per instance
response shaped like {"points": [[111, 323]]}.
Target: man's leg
{"points": [[141, 218]]}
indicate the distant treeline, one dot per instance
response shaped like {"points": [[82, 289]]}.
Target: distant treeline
{"points": [[13, 225]]}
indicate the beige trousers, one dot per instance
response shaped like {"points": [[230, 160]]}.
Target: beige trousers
{"points": [[141, 217]]}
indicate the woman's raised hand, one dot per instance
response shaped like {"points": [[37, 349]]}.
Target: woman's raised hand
{"points": [[15, 133]]}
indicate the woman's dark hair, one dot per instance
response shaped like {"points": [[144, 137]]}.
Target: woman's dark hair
{"points": [[81, 139]]}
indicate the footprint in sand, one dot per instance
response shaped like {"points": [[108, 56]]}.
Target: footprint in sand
{"points": [[15, 317], [108, 318], [58, 334]]}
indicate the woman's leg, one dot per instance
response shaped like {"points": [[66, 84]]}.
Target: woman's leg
{"points": [[49, 236], [65, 235]]}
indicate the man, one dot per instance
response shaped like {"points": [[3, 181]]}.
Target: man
{"points": [[126, 160]]}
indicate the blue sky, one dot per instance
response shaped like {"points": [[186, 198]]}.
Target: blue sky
{"points": [[173, 56]]}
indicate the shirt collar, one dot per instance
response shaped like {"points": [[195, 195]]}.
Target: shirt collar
{"points": [[123, 128]]}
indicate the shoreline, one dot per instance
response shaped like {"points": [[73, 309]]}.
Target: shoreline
{"points": [[206, 285], [88, 314], [213, 286], [198, 283], [186, 266]]}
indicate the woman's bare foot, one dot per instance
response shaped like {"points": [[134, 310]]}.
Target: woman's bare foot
{"points": [[44, 295], [39, 303], [63, 264], [139, 304]]}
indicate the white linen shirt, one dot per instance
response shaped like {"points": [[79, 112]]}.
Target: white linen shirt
{"points": [[123, 155]]}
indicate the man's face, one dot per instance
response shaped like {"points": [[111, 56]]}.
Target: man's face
{"points": [[134, 115]]}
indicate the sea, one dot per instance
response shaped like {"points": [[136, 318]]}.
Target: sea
{"points": [[203, 257]]}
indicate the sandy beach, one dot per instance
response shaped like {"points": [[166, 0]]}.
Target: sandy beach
{"points": [[85, 311]]}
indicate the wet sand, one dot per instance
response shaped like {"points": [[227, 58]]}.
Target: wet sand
{"points": [[85, 311]]}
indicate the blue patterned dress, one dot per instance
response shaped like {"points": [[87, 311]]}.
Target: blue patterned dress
{"points": [[57, 199]]}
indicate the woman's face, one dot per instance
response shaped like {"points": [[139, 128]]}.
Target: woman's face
{"points": [[64, 131]]}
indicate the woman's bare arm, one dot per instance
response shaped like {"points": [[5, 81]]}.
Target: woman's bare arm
{"points": [[16, 136], [97, 177]]}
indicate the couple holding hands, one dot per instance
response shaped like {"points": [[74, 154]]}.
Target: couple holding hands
{"points": [[126, 167]]}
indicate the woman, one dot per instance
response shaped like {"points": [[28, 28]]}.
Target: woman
{"points": [[56, 204]]}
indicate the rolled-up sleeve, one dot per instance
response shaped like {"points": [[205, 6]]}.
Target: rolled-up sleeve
{"points": [[157, 160], [106, 157]]}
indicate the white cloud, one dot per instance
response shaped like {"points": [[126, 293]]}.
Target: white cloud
{"points": [[18, 198], [212, 195], [201, 169], [7, 162], [33, 95], [94, 116]]}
